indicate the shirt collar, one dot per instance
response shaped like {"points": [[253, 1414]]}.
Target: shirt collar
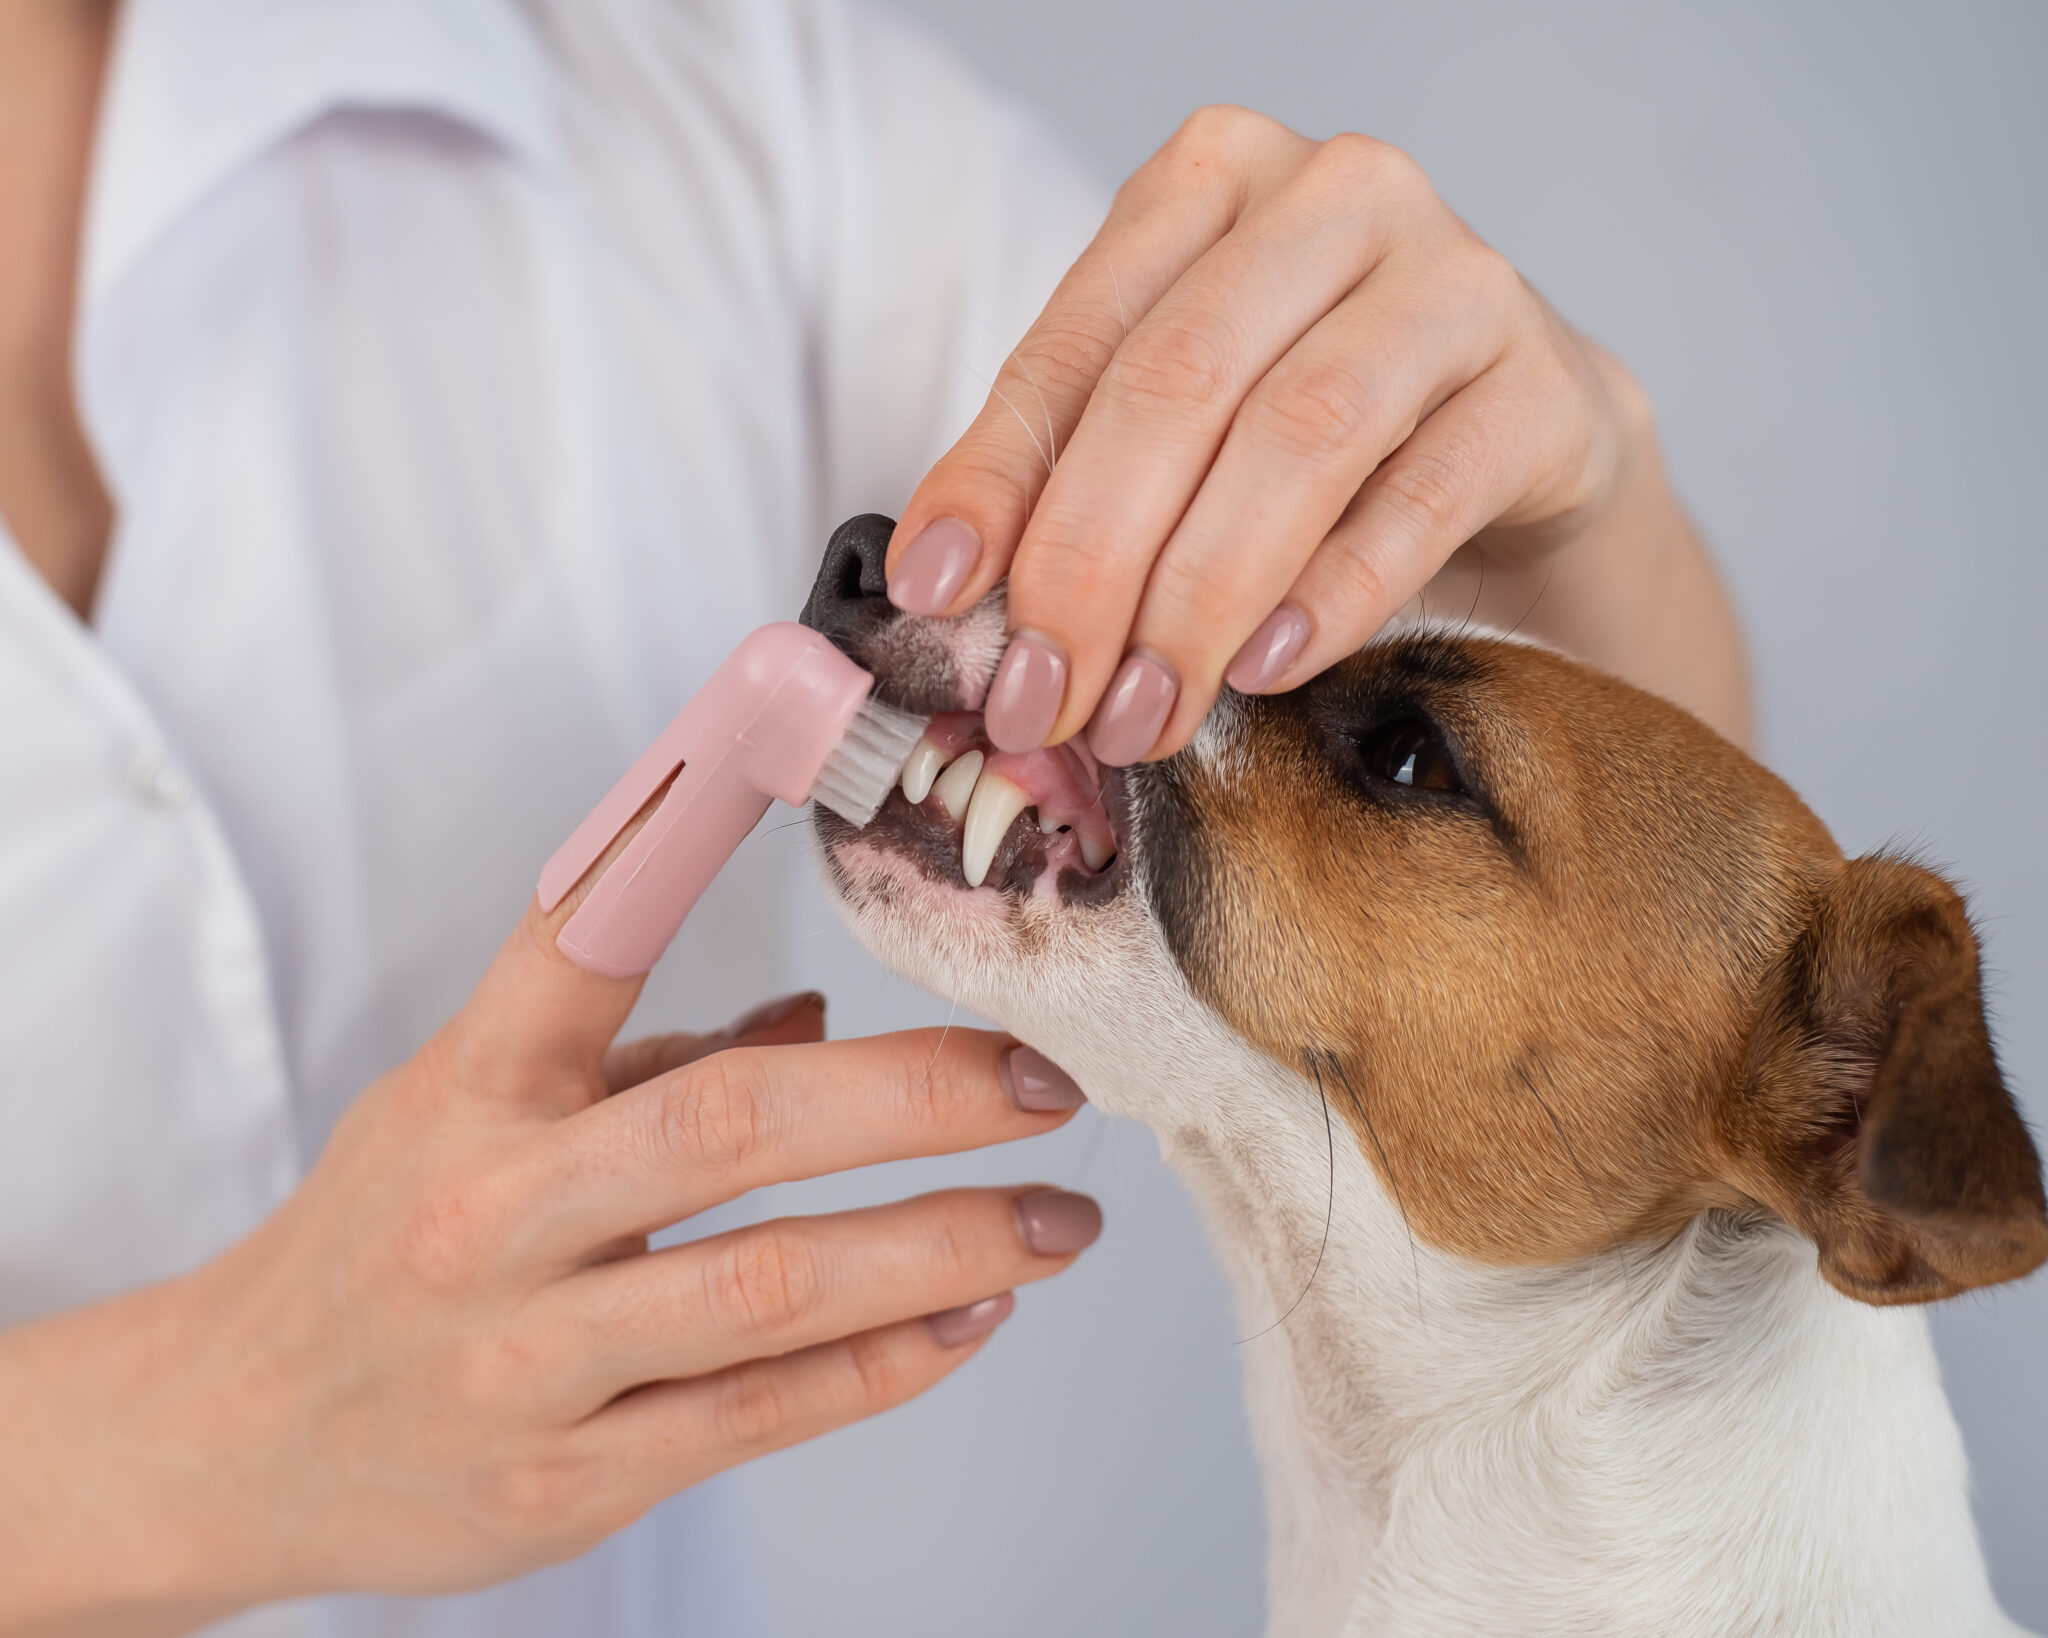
{"points": [[196, 89]]}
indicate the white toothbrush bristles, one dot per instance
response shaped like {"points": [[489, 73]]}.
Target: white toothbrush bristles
{"points": [[866, 763]]}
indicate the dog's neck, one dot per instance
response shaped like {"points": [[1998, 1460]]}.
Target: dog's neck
{"points": [[1681, 1439]]}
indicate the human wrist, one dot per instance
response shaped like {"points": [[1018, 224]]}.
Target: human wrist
{"points": [[127, 1505]]}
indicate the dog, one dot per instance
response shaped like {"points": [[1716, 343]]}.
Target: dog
{"points": [[1581, 1131]]}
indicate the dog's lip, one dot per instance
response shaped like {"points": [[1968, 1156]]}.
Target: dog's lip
{"points": [[1063, 782], [1021, 822]]}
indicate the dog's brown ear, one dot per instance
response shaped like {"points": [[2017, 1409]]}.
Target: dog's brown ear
{"points": [[1873, 1117]]}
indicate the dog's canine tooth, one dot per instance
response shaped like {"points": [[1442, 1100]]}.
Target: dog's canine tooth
{"points": [[996, 802], [955, 787], [924, 766], [1093, 853]]}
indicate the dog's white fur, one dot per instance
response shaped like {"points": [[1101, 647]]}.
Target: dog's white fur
{"points": [[1691, 1439]]}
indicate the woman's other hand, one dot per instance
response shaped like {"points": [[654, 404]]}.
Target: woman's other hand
{"points": [[451, 1357], [1268, 406]]}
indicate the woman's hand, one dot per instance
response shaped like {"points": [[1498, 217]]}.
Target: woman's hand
{"points": [[450, 1356], [1271, 401]]}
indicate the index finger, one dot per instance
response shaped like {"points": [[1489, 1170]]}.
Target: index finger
{"points": [[957, 534], [750, 1116]]}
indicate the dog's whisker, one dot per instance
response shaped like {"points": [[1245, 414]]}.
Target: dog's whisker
{"points": [[1123, 319], [1478, 592], [1531, 609], [1585, 1177], [1088, 1150], [948, 1030], [1012, 408], [1051, 439], [1329, 1205], [1393, 1183]]}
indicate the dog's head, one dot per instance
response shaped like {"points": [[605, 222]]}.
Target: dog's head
{"points": [[1572, 968]]}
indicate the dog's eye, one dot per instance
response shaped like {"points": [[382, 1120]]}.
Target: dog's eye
{"points": [[1409, 751]]}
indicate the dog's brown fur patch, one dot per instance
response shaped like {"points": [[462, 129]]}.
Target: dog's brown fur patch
{"points": [[1626, 977]]}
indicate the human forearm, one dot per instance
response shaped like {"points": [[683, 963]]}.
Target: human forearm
{"points": [[1635, 591]]}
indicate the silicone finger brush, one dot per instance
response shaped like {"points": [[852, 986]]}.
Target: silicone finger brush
{"points": [[787, 717]]}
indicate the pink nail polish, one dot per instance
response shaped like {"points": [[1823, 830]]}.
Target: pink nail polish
{"points": [[1133, 712], [1036, 1084], [934, 566], [1024, 700], [1268, 651], [1054, 1222], [954, 1327]]}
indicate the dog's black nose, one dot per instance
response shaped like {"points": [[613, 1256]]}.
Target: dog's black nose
{"points": [[850, 596]]}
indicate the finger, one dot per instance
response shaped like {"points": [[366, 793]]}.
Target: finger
{"points": [[787, 1021], [1162, 410], [743, 1118], [672, 1434], [536, 1028], [776, 1287], [1465, 466], [955, 538], [1307, 436]]}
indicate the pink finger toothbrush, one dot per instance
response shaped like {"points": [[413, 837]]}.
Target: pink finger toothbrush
{"points": [[786, 716]]}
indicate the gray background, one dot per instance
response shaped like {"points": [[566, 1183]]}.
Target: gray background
{"points": [[1817, 233]]}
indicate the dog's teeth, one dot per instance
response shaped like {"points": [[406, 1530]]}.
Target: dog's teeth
{"points": [[919, 772], [1095, 854], [996, 802], [955, 787], [1047, 824]]}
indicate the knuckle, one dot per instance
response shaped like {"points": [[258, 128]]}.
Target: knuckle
{"points": [[879, 1375], [953, 1241], [1318, 411], [752, 1410], [448, 1242], [1063, 359], [489, 1375], [764, 1284], [714, 1117], [1427, 491], [939, 1096], [540, 1498], [1172, 365], [1357, 160], [1218, 130], [1478, 267]]}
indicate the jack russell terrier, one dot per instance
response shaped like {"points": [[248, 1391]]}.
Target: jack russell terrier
{"points": [[1579, 1127]]}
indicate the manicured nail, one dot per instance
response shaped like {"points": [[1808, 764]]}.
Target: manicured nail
{"points": [[1127, 723], [1268, 651], [1054, 1222], [1024, 700], [933, 567], [770, 1013], [956, 1326], [1037, 1084]]}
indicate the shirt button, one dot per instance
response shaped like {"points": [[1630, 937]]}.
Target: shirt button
{"points": [[157, 783]]}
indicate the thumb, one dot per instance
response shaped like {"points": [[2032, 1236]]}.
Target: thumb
{"points": [[537, 1026]]}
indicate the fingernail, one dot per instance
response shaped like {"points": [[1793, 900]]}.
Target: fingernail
{"points": [[1037, 1084], [1268, 651], [1025, 698], [933, 567], [955, 1326], [770, 1013], [1128, 721], [1054, 1222]]}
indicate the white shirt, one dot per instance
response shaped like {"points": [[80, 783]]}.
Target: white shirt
{"points": [[469, 377]]}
